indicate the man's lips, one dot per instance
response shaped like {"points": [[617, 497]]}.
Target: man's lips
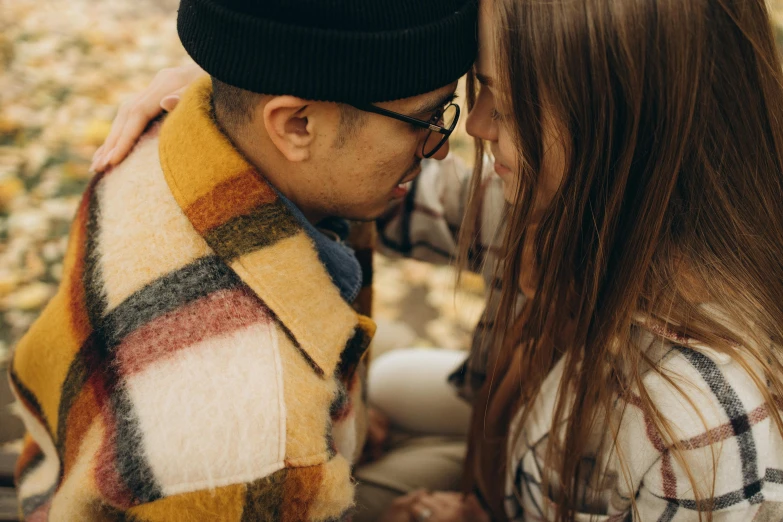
{"points": [[415, 173], [401, 189], [408, 179]]}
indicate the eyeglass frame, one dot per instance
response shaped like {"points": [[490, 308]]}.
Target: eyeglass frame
{"points": [[446, 132]]}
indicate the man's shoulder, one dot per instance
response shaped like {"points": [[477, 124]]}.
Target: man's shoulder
{"points": [[137, 233], [144, 153]]}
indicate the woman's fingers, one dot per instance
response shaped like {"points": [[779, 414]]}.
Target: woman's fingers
{"points": [[99, 160], [127, 110], [438, 507], [138, 116], [97, 156], [438, 504], [411, 498], [400, 509], [169, 102], [135, 114]]}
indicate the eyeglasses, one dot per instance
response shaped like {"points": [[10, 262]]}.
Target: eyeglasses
{"points": [[440, 125]]}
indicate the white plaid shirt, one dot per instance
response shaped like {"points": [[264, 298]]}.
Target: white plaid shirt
{"points": [[748, 450]]}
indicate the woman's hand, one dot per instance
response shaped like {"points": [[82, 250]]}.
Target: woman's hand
{"points": [[400, 510], [134, 115], [439, 506]]}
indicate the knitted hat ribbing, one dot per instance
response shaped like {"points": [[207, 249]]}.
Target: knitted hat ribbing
{"points": [[332, 50]]}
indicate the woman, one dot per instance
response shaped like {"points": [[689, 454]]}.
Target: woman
{"points": [[641, 151]]}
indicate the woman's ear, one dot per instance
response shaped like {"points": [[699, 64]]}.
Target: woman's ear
{"points": [[287, 124]]}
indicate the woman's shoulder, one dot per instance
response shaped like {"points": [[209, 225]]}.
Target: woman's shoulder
{"points": [[714, 423], [698, 388]]}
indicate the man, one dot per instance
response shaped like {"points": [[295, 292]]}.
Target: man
{"points": [[202, 357]]}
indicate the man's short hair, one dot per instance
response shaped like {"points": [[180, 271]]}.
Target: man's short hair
{"points": [[351, 120], [234, 106]]}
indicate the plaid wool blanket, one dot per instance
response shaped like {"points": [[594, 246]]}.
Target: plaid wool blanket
{"points": [[197, 362]]}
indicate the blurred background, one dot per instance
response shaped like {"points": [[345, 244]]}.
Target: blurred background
{"points": [[65, 66]]}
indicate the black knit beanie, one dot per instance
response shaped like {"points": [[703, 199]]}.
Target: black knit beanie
{"points": [[332, 50]]}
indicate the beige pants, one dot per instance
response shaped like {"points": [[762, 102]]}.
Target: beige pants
{"points": [[429, 429]]}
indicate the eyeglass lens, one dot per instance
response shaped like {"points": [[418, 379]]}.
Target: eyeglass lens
{"points": [[435, 140]]}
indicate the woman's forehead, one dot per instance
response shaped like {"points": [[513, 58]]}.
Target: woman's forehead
{"points": [[486, 51]]}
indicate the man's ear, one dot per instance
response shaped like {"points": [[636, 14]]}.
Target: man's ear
{"points": [[287, 124]]}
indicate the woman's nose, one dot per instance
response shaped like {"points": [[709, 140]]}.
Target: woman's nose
{"points": [[480, 123]]}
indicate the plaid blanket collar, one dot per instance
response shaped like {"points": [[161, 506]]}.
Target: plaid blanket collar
{"points": [[244, 220], [337, 257]]}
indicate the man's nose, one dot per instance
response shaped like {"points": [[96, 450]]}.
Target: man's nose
{"points": [[443, 151]]}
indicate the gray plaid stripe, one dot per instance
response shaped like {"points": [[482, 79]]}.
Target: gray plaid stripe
{"points": [[737, 414], [669, 512], [166, 294], [723, 501], [774, 475], [30, 504]]}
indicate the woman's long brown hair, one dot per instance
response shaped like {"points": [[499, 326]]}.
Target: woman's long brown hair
{"points": [[672, 112]]}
